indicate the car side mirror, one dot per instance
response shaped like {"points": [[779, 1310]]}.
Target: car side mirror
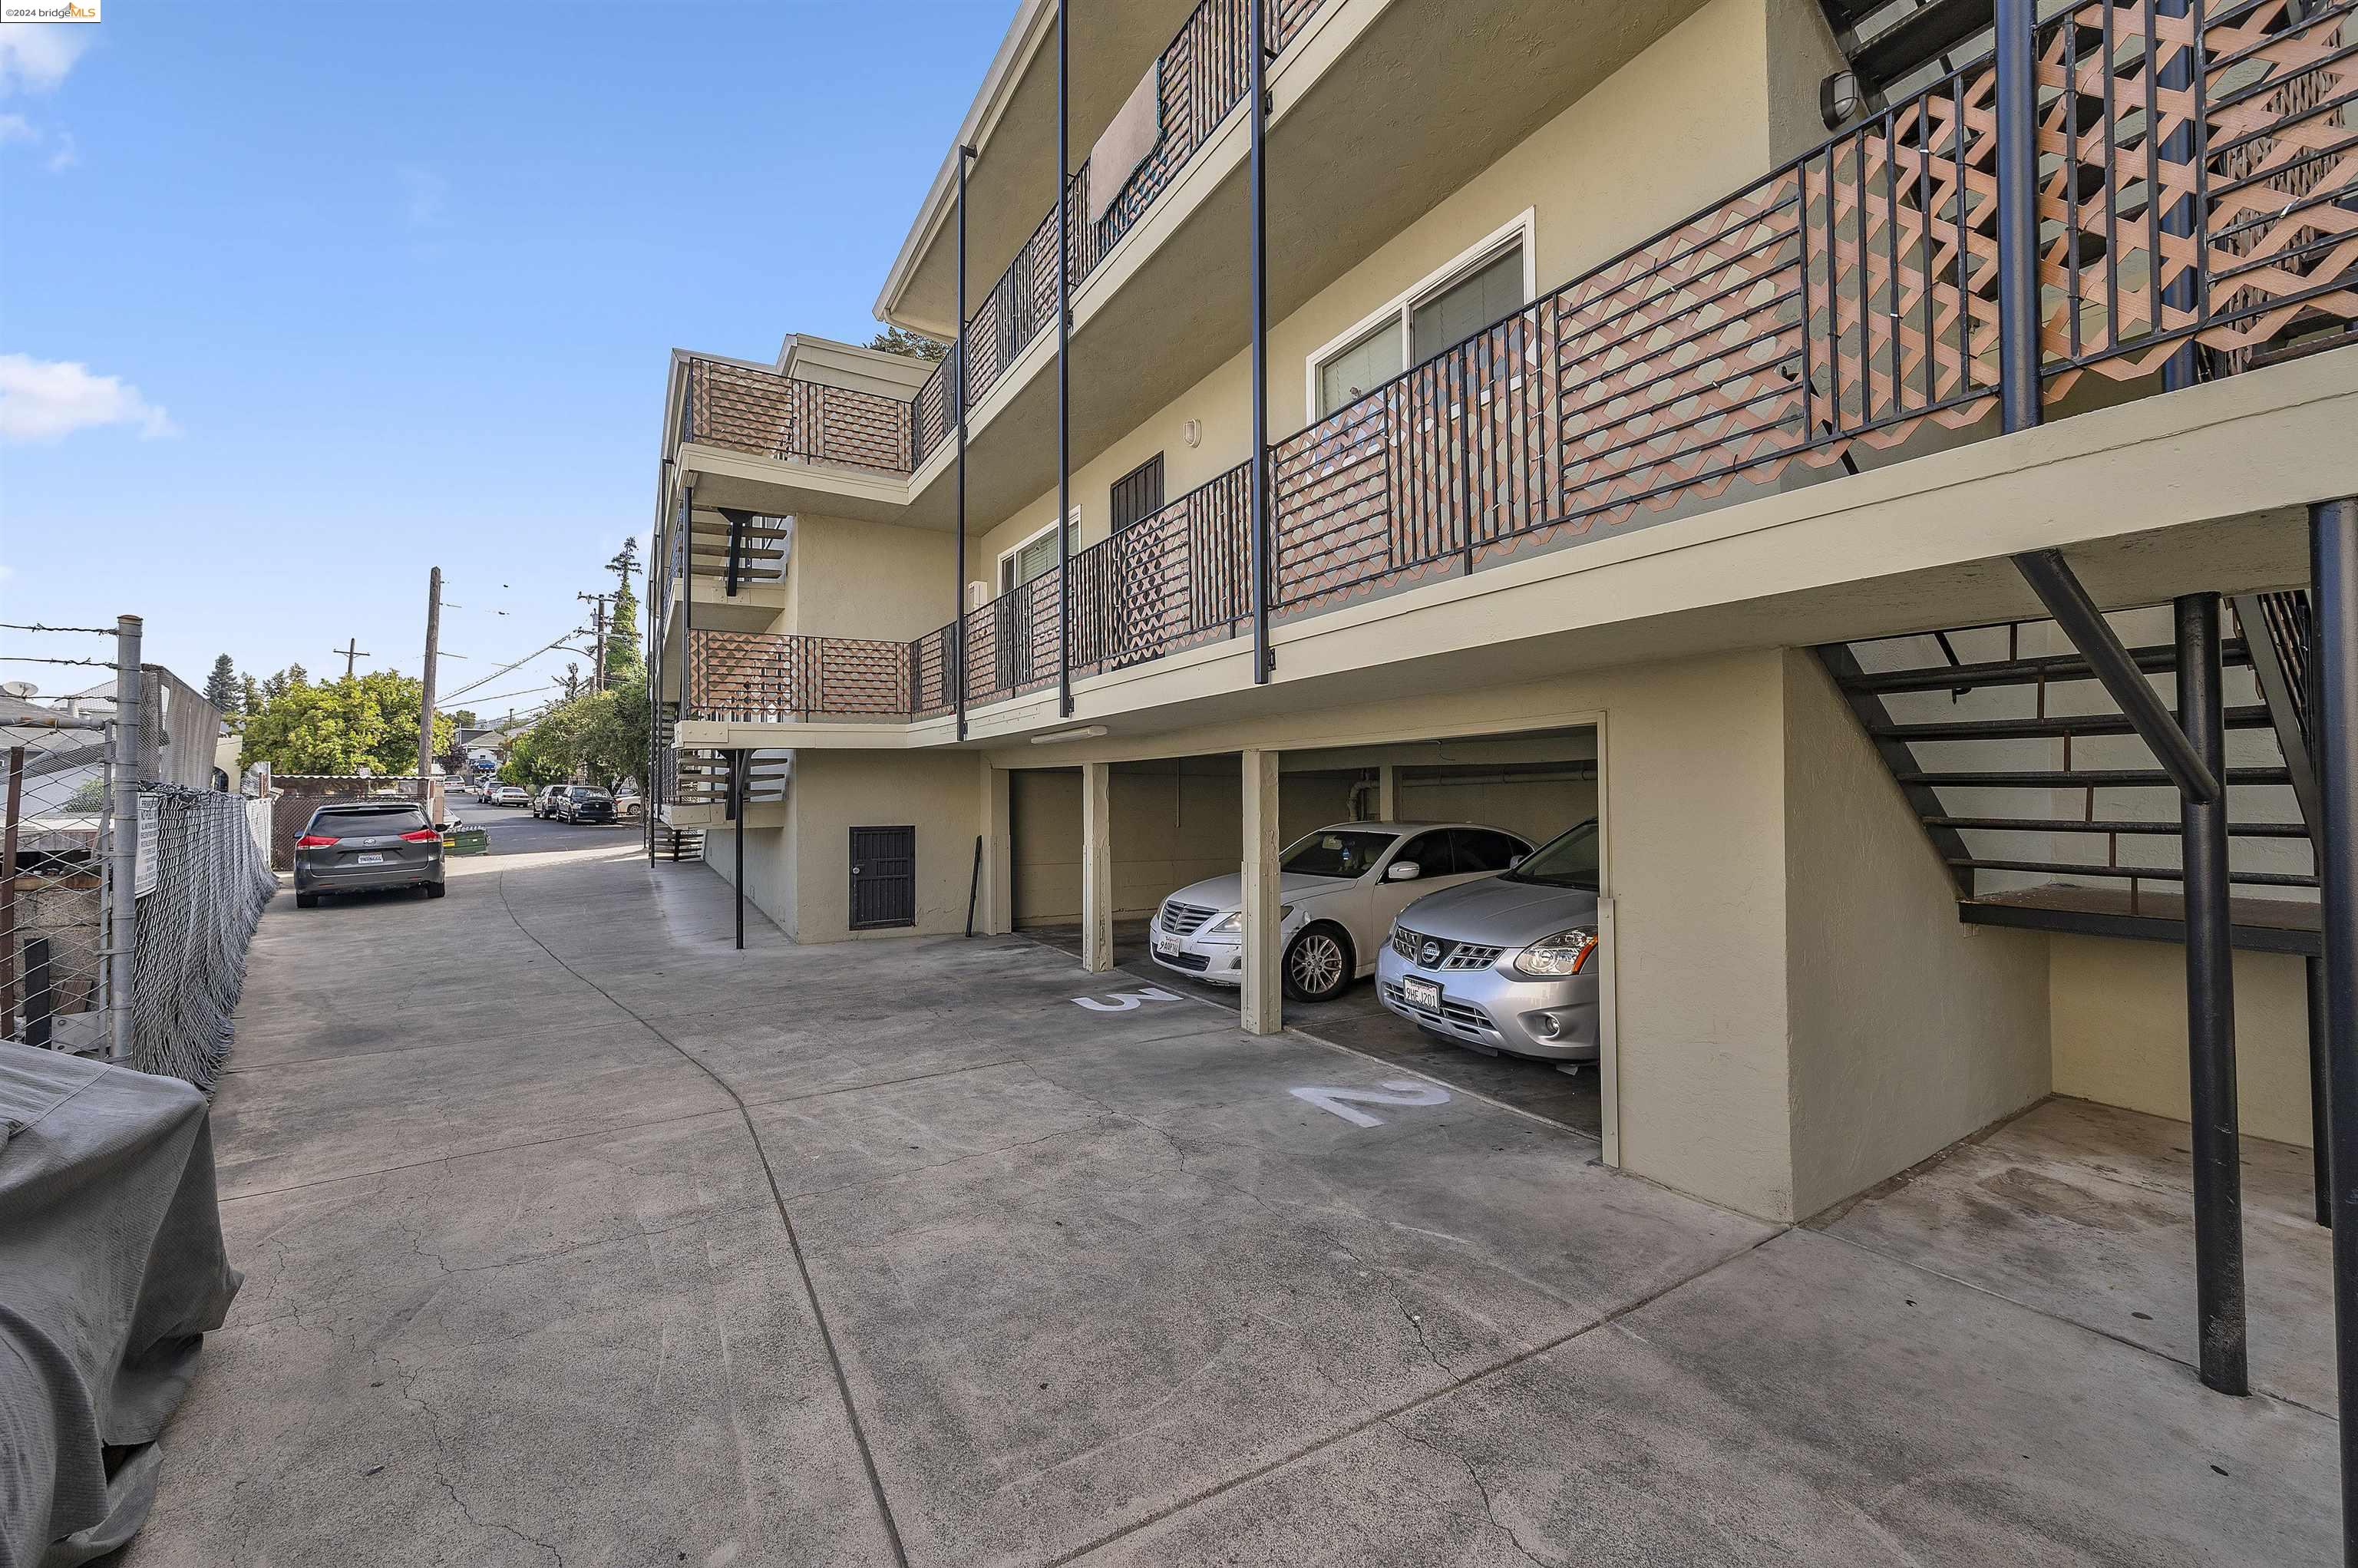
{"points": [[1403, 872]]}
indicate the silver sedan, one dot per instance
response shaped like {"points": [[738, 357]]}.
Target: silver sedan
{"points": [[1505, 964]]}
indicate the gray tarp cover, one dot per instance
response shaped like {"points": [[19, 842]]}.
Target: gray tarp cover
{"points": [[110, 1272]]}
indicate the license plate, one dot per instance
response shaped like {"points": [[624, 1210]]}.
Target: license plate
{"points": [[1165, 945], [1420, 993], [368, 859]]}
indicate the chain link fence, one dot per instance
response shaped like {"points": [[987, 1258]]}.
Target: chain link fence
{"points": [[130, 880], [204, 880]]}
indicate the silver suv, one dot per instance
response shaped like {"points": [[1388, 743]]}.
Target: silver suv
{"points": [[1506, 964]]}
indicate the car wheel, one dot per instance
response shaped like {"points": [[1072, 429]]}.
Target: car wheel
{"points": [[435, 889], [1318, 964], [307, 901]]}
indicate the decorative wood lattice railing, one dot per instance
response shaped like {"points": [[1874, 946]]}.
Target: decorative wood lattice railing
{"points": [[2197, 185], [746, 409]]}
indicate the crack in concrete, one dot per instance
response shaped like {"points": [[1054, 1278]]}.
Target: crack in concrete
{"points": [[1489, 1506]]}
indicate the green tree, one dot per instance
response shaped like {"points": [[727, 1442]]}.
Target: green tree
{"points": [[601, 736], [625, 665], [249, 695], [274, 686], [222, 688], [337, 726], [909, 345]]}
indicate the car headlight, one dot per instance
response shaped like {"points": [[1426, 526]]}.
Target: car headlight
{"points": [[1552, 957], [1235, 921]]}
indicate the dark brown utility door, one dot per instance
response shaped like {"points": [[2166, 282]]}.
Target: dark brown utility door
{"points": [[884, 877]]}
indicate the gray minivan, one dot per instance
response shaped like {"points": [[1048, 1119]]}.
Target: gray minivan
{"points": [[354, 846]]}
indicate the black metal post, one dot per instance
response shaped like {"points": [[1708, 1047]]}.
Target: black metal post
{"points": [[1064, 379], [737, 820], [1257, 547], [2017, 215], [2210, 1013], [2059, 589], [956, 656], [2333, 706], [736, 521], [2320, 1138]]}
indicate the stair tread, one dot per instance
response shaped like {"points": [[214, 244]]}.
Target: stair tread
{"points": [[2023, 672], [2052, 727], [2076, 778], [2157, 873]]}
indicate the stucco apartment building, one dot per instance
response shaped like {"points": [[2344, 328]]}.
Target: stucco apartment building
{"points": [[1711, 416]]}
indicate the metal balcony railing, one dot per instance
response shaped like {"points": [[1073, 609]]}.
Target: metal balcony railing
{"points": [[746, 409], [1200, 76], [2198, 183]]}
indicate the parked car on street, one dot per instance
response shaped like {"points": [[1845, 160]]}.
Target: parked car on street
{"points": [[584, 803], [1340, 888], [352, 846], [509, 795], [628, 806], [1505, 964], [544, 805]]}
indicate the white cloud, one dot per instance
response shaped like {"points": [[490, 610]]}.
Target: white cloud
{"points": [[423, 191], [36, 56], [46, 400], [64, 157], [16, 128]]}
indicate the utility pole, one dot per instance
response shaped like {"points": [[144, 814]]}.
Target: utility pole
{"points": [[426, 691], [597, 603], [351, 650]]}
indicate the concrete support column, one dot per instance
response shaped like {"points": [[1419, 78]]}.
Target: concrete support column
{"points": [[1264, 997], [1097, 867], [996, 913], [1387, 793]]}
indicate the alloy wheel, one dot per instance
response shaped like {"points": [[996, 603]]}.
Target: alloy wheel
{"points": [[1315, 964]]}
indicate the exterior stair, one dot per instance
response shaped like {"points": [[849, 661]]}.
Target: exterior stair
{"points": [[2051, 813]]}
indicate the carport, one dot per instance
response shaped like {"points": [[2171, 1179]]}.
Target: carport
{"points": [[1094, 848]]}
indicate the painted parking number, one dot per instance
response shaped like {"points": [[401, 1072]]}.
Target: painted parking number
{"points": [[1125, 1002], [1338, 1102]]}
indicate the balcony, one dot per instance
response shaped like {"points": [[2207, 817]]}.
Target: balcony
{"points": [[830, 428], [2196, 187], [1200, 76]]}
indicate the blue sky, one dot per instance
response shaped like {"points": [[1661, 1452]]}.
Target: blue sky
{"points": [[361, 288]]}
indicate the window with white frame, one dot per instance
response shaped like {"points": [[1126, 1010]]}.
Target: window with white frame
{"points": [[1032, 557], [1483, 284]]}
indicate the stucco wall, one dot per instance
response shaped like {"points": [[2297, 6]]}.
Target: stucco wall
{"points": [[1537, 810], [770, 869], [850, 579], [2119, 1011], [1909, 1028], [937, 793], [1692, 113]]}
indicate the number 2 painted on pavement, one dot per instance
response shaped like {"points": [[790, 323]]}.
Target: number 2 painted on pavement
{"points": [[1412, 1092]]}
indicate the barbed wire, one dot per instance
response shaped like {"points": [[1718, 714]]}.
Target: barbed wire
{"points": [[36, 626], [29, 659]]}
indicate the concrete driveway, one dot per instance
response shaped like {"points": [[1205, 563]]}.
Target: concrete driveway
{"points": [[574, 1236]]}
